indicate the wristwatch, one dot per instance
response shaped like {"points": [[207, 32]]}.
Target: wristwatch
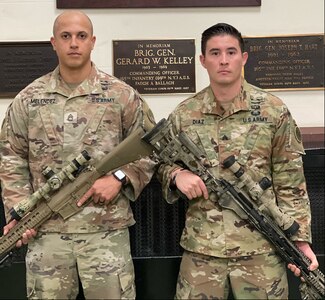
{"points": [[120, 176]]}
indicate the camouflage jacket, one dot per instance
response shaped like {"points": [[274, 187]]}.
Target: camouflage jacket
{"points": [[47, 124], [259, 130]]}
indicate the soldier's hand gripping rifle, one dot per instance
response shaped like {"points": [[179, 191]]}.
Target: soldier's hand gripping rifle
{"points": [[59, 195], [267, 218]]}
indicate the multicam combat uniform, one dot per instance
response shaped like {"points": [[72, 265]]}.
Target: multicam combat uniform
{"points": [[48, 124], [259, 130]]}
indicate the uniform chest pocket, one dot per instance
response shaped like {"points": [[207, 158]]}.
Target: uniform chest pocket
{"points": [[256, 150], [205, 138], [90, 135], [249, 143], [48, 126], [105, 125]]}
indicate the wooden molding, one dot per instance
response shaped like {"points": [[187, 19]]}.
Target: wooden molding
{"points": [[313, 137], [153, 3]]}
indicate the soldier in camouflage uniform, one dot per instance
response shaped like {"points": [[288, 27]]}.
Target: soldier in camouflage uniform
{"points": [[232, 117], [76, 107]]}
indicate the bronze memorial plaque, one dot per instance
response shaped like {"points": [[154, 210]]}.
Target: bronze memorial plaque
{"points": [[285, 62], [23, 62], [156, 66]]}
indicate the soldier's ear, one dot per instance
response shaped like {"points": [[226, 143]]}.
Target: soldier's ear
{"points": [[93, 40], [53, 43], [245, 57], [202, 60]]}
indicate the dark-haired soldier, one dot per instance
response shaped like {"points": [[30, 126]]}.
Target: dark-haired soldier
{"points": [[232, 117]]}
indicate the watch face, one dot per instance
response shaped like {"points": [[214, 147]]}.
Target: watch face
{"points": [[119, 174]]}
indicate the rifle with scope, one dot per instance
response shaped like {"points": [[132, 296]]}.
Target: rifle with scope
{"points": [[172, 148], [62, 190], [242, 198]]}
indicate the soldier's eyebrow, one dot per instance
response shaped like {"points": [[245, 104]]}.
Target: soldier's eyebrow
{"points": [[83, 32], [71, 33], [214, 49], [218, 49]]}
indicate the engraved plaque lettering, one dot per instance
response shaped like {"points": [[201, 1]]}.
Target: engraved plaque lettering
{"points": [[285, 62], [23, 62], [156, 66]]}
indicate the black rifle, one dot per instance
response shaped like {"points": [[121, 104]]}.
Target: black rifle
{"points": [[241, 198]]}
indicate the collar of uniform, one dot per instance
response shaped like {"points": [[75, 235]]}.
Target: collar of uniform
{"points": [[240, 102], [209, 104], [90, 85]]}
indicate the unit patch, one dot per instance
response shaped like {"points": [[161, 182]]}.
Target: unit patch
{"points": [[298, 134]]}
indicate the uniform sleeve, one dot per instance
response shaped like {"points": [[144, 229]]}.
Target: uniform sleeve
{"points": [[14, 170], [288, 174], [137, 113]]}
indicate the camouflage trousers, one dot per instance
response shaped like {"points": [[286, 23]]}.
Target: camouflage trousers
{"points": [[250, 277], [101, 260]]}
